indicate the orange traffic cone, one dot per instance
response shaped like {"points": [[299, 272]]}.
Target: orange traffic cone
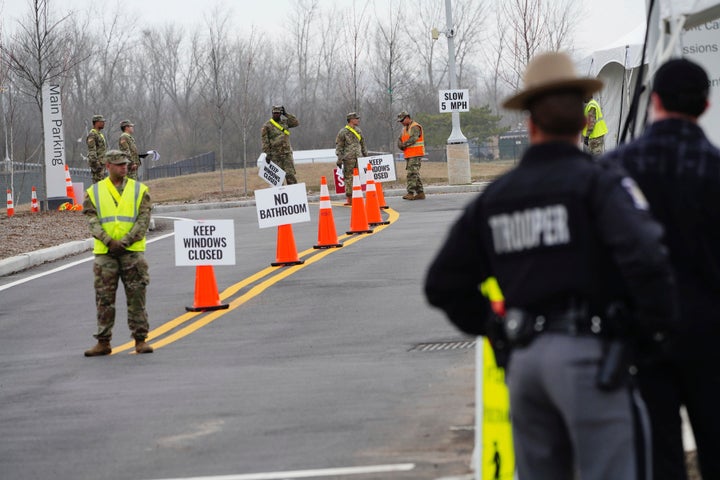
{"points": [[10, 207], [34, 207], [286, 253], [327, 235], [358, 216], [381, 196], [372, 207], [206, 291], [69, 190]]}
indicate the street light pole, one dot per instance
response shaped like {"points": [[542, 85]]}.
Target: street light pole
{"points": [[456, 136], [458, 152]]}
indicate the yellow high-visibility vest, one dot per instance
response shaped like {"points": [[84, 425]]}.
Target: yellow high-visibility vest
{"points": [[117, 213], [600, 128]]}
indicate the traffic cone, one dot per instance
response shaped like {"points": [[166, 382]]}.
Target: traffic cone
{"points": [[358, 216], [69, 190], [10, 207], [327, 235], [372, 207], [206, 291], [286, 253], [34, 207], [381, 196]]}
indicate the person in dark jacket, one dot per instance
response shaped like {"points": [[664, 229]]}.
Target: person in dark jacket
{"points": [[678, 170], [567, 241]]}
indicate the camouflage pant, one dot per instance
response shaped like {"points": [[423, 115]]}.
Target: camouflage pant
{"points": [[287, 164], [595, 146], [414, 182], [98, 170], [132, 269], [349, 166]]}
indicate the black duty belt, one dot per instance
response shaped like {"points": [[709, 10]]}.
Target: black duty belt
{"points": [[522, 326]]}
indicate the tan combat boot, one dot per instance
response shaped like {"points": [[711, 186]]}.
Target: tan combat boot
{"points": [[142, 347], [102, 348], [409, 196], [419, 196]]}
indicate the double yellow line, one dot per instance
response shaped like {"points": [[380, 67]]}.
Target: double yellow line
{"points": [[187, 323]]}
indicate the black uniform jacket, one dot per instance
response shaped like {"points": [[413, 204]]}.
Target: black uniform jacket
{"points": [[557, 227], [678, 169]]}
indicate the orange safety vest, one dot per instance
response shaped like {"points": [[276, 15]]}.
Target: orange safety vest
{"points": [[417, 149]]}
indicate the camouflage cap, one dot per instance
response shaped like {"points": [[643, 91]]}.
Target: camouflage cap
{"points": [[277, 109], [401, 116], [98, 118], [126, 123], [117, 157], [352, 115]]}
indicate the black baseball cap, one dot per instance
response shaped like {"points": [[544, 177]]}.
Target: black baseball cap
{"points": [[683, 86]]}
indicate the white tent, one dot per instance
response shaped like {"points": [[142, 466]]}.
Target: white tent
{"points": [[617, 66], [688, 28]]}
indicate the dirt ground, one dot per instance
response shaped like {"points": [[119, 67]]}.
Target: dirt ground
{"points": [[27, 232]]}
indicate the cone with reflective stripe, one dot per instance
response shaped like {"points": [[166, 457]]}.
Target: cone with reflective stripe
{"points": [[358, 215], [34, 207], [327, 234], [206, 291], [381, 196], [10, 206], [69, 190], [286, 253], [372, 207]]}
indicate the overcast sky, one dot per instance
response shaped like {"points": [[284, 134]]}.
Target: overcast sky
{"points": [[610, 20]]}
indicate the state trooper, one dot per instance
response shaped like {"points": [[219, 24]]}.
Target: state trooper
{"points": [[572, 246], [118, 210]]}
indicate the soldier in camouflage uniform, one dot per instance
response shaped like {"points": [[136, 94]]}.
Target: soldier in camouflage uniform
{"points": [[127, 145], [595, 129], [412, 144], [118, 209], [349, 145], [96, 148], [276, 141]]}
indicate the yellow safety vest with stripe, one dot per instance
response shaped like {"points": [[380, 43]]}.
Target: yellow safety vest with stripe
{"points": [[600, 128], [117, 213]]}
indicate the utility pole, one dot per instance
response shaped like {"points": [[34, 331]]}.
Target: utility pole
{"points": [[457, 149]]}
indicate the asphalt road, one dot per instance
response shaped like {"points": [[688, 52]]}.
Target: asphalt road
{"points": [[312, 372]]}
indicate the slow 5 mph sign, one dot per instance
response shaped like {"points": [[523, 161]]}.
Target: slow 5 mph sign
{"points": [[454, 101]]}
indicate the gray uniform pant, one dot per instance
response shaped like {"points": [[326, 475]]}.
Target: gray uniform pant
{"points": [[562, 424]]}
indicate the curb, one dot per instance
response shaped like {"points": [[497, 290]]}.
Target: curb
{"points": [[32, 259]]}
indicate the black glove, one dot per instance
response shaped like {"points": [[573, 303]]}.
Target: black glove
{"points": [[586, 140], [283, 111], [339, 162]]}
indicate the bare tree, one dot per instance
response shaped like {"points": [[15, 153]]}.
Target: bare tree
{"points": [[354, 32], [39, 51], [391, 70], [469, 17], [532, 26], [215, 74]]}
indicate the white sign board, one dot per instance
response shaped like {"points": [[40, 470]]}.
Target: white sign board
{"points": [[204, 242], [383, 168], [54, 141], [702, 45], [271, 173], [282, 205], [454, 101]]}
